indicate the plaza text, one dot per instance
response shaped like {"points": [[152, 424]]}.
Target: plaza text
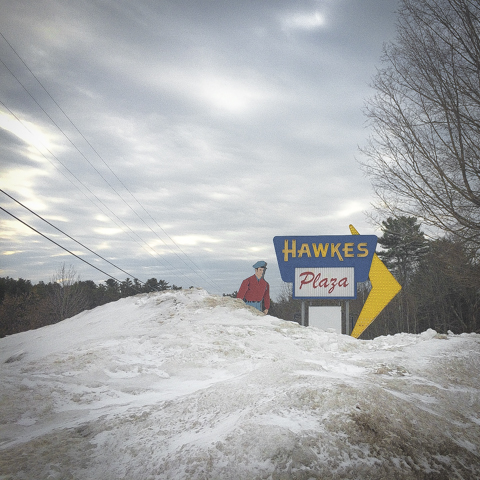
{"points": [[318, 282]]}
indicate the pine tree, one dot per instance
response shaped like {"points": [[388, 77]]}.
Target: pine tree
{"points": [[404, 245]]}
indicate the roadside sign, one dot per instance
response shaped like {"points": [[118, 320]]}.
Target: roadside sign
{"points": [[330, 266], [327, 266]]}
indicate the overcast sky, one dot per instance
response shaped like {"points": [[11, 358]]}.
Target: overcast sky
{"points": [[177, 138]]}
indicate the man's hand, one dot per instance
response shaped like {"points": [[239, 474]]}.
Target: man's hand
{"points": [[265, 311]]}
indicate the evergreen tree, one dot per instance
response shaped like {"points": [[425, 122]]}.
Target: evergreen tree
{"points": [[14, 287], [154, 285], [127, 289], [404, 245]]}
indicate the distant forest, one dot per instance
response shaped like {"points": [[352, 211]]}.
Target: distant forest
{"points": [[440, 289], [24, 306]]}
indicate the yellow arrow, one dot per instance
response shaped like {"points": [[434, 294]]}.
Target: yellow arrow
{"points": [[384, 288]]}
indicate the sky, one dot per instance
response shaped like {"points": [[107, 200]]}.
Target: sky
{"points": [[175, 139], [183, 385]]}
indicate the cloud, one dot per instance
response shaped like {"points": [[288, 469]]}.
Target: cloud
{"points": [[195, 240], [304, 21], [231, 95], [36, 140], [107, 231]]}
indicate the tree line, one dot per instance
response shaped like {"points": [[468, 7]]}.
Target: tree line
{"points": [[440, 281], [25, 306]]}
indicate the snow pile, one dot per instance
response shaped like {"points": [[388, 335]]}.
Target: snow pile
{"points": [[184, 385]]}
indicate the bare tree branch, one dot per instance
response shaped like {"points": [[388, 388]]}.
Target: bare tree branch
{"points": [[423, 157]]}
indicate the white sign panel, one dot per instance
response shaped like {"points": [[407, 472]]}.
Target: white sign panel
{"points": [[325, 282], [325, 318]]}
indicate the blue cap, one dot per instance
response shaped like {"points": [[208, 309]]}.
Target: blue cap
{"points": [[260, 264]]}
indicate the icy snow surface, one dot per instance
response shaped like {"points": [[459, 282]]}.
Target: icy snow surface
{"points": [[185, 385]]}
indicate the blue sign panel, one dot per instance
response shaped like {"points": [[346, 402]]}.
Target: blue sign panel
{"points": [[304, 259]]}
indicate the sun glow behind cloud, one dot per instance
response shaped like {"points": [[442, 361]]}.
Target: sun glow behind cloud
{"points": [[304, 21], [212, 85], [351, 208], [37, 140], [230, 95]]}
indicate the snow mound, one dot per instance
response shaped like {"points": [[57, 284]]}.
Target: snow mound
{"points": [[185, 385]]}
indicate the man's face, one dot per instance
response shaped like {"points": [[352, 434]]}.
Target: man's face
{"points": [[259, 272]]}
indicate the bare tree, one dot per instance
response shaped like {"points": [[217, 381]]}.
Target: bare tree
{"points": [[445, 288], [68, 295], [286, 307], [424, 155]]}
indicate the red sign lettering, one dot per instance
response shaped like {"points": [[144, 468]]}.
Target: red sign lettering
{"points": [[318, 282]]}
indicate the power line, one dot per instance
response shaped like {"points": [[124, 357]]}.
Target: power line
{"points": [[200, 273], [67, 235], [58, 245]]}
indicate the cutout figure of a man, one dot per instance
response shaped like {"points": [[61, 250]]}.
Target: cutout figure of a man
{"points": [[255, 291]]}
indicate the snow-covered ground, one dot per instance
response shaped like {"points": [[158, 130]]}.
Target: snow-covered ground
{"points": [[184, 385]]}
